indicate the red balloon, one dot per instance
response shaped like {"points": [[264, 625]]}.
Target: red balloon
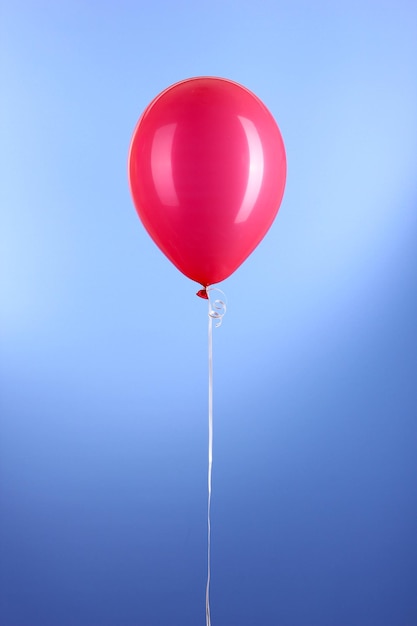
{"points": [[207, 172]]}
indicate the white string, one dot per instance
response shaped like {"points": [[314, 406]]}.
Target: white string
{"points": [[217, 309], [210, 460]]}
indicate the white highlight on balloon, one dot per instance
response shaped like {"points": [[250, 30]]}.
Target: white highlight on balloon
{"points": [[161, 165], [256, 169]]}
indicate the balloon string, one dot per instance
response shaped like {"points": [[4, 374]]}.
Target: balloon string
{"points": [[210, 461], [217, 309]]}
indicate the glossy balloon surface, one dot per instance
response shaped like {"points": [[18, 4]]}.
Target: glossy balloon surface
{"points": [[207, 172]]}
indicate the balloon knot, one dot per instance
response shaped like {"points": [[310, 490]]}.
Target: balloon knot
{"points": [[202, 294]]}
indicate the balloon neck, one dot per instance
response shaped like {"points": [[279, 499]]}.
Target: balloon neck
{"points": [[202, 294]]}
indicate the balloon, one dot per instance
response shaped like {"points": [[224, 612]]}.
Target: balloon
{"points": [[207, 172]]}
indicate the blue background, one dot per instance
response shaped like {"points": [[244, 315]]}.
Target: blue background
{"points": [[103, 380]]}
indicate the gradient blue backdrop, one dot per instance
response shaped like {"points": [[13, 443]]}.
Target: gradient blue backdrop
{"points": [[103, 434]]}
